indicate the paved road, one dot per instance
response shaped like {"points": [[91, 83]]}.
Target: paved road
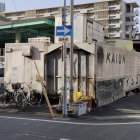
{"points": [[117, 121], [35, 129], [128, 106]]}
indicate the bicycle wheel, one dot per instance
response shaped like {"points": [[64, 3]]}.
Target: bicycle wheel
{"points": [[33, 98], [20, 101]]}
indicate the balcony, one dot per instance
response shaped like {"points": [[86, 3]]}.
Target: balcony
{"points": [[137, 13], [132, 14], [127, 32], [106, 34], [95, 17], [14, 18], [101, 10], [114, 34], [135, 30], [104, 18], [114, 25], [84, 11], [44, 15], [132, 30], [114, 16], [48, 14], [132, 23], [137, 21], [114, 7], [90, 10]]}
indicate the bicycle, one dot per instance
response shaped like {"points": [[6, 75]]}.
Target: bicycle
{"points": [[6, 96], [31, 97]]}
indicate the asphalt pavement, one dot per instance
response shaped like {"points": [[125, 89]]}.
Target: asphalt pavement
{"points": [[119, 120], [16, 128]]}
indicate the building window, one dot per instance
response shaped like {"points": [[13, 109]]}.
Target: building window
{"points": [[104, 22], [102, 14], [101, 5]]}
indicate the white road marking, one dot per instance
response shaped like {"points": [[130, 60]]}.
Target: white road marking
{"points": [[71, 123], [36, 136], [117, 117], [64, 139], [31, 135]]}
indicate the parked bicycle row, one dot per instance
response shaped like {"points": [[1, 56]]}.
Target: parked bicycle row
{"points": [[14, 93]]}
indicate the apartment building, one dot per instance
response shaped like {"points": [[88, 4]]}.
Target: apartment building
{"points": [[118, 17], [2, 7]]}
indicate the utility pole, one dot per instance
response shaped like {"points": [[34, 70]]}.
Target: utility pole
{"points": [[71, 50], [65, 66]]}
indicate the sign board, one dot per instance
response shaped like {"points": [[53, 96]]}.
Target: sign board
{"points": [[63, 30], [14, 70], [63, 39]]}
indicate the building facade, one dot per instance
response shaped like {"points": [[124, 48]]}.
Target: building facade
{"points": [[118, 17], [2, 7]]}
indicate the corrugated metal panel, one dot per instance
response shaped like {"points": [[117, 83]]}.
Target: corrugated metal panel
{"points": [[83, 65]]}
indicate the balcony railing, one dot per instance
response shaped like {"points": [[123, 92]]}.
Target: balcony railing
{"points": [[137, 13], [84, 11], [135, 30], [115, 34], [132, 14], [131, 23], [115, 25], [114, 16], [114, 7], [137, 21]]}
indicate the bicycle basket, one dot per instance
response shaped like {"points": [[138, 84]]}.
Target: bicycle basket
{"points": [[16, 85]]}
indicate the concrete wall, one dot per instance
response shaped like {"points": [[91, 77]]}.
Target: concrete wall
{"points": [[98, 32], [19, 68], [105, 73], [125, 44], [85, 29], [2, 7], [116, 62], [119, 43], [117, 71]]}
